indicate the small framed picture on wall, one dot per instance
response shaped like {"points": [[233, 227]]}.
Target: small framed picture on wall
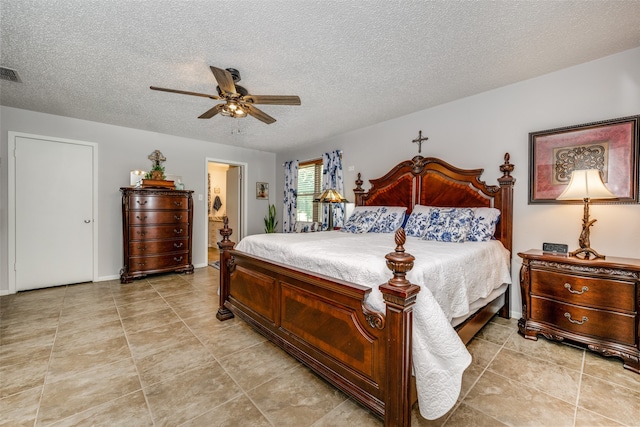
{"points": [[262, 190]]}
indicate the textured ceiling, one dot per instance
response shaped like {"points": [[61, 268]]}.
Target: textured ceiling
{"points": [[353, 63]]}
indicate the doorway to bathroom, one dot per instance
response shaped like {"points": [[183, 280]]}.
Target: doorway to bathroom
{"points": [[224, 195]]}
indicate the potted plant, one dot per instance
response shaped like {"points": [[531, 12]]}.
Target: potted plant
{"points": [[270, 222], [156, 172]]}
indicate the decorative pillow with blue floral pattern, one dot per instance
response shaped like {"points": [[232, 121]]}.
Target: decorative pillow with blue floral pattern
{"points": [[417, 223], [449, 224], [361, 220], [389, 221], [483, 224]]}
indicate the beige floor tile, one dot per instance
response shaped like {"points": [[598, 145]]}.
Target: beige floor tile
{"points": [[552, 379], [152, 340], [526, 406], [174, 359], [586, 418], [71, 395], [34, 349], [17, 333], [204, 324], [130, 410], [190, 394], [20, 409], [188, 310], [466, 416], [555, 352], [349, 414], [79, 317], [232, 413], [72, 360], [621, 404], [18, 377], [256, 365], [69, 337], [172, 287], [296, 398], [146, 305], [149, 320], [32, 316], [482, 352], [469, 378], [496, 333], [610, 369], [223, 342]]}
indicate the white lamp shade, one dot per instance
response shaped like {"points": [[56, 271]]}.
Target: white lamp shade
{"points": [[586, 184]]}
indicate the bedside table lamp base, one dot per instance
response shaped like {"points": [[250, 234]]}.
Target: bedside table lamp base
{"points": [[584, 240]]}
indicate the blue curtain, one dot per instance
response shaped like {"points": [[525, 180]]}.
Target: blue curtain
{"points": [[332, 178], [290, 208]]}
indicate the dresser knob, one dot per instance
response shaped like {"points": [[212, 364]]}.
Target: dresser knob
{"points": [[177, 259], [178, 217], [141, 264], [142, 248], [142, 233], [177, 245], [177, 203], [573, 291], [144, 202], [141, 219], [177, 231], [576, 322]]}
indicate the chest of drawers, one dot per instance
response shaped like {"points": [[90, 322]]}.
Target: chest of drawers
{"points": [[592, 302], [157, 231]]}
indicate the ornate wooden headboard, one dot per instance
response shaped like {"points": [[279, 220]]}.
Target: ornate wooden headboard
{"points": [[433, 182]]}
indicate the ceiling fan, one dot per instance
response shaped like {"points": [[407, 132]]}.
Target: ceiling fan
{"points": [[238, 102]]}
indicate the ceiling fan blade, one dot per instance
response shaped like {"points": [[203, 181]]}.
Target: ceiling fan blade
{"points": [[273, 99], [184, 92], [211, 112], [224, 79], [259, 114]]}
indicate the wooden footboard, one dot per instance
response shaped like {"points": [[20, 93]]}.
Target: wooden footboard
{"points": [[326, 324]]}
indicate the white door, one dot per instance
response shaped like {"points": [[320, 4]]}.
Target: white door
{"points": [[53, 213], [234, 192]]}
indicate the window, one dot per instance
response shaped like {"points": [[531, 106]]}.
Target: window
{"points": [[309, 188]]}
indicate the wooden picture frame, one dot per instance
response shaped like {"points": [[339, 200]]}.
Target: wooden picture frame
{"points": [[610, 146], [262, 190]]}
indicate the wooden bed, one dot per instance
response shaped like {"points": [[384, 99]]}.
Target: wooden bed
{"points": [[326, 324]]}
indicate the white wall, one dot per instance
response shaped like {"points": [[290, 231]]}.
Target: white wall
{"points": [[477, 131], [121, 150]]}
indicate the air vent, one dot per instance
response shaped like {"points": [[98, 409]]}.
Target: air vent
{"points": [[9, 74]]}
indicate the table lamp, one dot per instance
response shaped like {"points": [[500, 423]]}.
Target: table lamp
{"points": [[331, 196], [586, 184]]}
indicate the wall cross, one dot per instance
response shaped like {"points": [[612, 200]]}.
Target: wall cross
{"points": [[419, 140]]}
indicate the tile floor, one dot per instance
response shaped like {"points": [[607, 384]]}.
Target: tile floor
{"points": [[152, 353]]}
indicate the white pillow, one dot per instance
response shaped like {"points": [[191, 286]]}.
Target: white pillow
{"points": [[390, 219], [361, 220], [416, 225], [483, 224]]}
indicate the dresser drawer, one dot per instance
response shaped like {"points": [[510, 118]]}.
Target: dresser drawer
{"points": [[160, 262], [588, 291], [157, 247], [585, 321], [159, 232], [141, 202], [155, 217]]}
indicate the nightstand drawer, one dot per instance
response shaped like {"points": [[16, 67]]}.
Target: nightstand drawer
{"points": [[585, 321], [588, 291]]}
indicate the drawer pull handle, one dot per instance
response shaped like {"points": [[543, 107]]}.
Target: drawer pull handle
{"points": [[142, 233], [177, 245], [577, 322], [177, 259], [177, 203], [177, 231], [178, 217], [144, 202], [573, 291], [141, 219], [141, 264], [142, 248]]}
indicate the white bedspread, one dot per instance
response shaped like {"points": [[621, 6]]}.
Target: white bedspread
{"points": [[451, 276]]}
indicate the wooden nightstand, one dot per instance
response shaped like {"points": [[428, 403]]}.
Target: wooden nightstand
{"points": [[592, 302]]}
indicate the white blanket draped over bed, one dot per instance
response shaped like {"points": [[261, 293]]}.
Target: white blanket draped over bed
{"points": [[450, 275]]}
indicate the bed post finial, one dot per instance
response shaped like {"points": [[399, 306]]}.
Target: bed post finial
{"points": [[400, 262]]}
